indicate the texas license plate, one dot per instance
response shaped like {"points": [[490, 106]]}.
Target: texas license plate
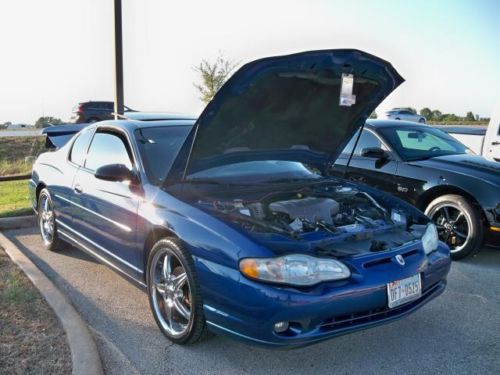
{"points": [[403, 291]]}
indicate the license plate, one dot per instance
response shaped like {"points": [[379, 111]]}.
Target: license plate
{"points": [[403, 291]]}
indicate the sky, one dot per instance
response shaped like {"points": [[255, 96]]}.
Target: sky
{"points": [[56, 53]]}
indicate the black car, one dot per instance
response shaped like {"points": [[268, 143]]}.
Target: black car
{"points": [[425, 166], [89, 112]]}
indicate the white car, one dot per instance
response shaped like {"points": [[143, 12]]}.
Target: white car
{"points": [[404, 114]]}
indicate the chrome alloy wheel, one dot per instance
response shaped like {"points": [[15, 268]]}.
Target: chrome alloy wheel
{"points": [[170, 292], [46, 220], [453, 225]]}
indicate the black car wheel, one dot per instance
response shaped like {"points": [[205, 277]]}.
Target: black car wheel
{"points": [[422, 121], [47, 222], [174, 292], [458, 223]]}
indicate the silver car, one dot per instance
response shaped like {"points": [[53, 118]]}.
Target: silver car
{"points": [[404, 114]]}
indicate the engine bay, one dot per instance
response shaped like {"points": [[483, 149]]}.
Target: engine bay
{"points": [[330, 219]]}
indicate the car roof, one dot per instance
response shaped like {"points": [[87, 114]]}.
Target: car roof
{"points": [[377, 124], [132, 125], [157, 116]]}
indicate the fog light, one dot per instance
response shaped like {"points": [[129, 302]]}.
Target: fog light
{"points": [[280, 327]]}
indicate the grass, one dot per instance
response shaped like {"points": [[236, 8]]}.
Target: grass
{"points": [[17, 154], [459, 122], [15, 289], [31, 339], [14, 199]]}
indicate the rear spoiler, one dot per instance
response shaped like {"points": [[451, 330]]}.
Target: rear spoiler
{"points": [[58, 136]]}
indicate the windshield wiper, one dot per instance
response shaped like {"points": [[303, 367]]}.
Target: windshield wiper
{"points": [[205, 181], [289, 180]]}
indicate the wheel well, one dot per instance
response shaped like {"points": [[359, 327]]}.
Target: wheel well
{"points": [[154, 235], [438, 191], [39, 188]]}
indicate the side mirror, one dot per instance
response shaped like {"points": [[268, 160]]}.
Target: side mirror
{"points": [[374, 153], [115, 172]]}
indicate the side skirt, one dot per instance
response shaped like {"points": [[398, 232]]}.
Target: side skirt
{"points": [[69, 238]]}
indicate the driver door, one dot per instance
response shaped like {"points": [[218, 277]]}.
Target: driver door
{"points": [[368, 170], [105, 212]]}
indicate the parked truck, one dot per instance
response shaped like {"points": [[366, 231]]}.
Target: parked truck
{"points": [[484, 141]]}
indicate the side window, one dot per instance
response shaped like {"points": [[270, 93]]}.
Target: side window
{"points": [[80, 146], [107, 148], [348, 148], [366, 140]]}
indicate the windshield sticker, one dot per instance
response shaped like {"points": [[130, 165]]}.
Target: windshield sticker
{"points": [[347, 99]]}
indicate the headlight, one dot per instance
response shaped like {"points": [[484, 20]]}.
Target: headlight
{"points": [[430, 239], [294, 269]]}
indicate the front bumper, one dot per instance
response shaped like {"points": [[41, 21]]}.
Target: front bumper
{"points": [[248, 310]]}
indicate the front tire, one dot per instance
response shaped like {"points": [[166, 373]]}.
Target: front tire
{"points": [[459, 224], [47, 222], [174, 292]]}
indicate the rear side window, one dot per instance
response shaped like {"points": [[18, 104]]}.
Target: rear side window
{"points": [[80, 146], [107, 148]]}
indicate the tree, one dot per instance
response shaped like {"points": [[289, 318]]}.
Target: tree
{"points": [[44, 120], [212, 76], [373, 115], [470, 116], [449, 117], [426, 112], [436, 115]]}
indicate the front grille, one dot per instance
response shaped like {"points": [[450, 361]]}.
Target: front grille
{"points": [[378, 262], [343, 321]]}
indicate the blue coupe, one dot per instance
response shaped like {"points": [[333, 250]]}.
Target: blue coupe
{"points": [[231, 223]]}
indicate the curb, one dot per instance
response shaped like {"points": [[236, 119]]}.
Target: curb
{"points": [[84, 355], [17, 222]]}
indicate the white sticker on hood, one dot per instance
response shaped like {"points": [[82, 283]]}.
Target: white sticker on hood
{"points": [[346, 97]]}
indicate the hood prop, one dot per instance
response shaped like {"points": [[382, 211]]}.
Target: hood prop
{"points": [[353, 149]]}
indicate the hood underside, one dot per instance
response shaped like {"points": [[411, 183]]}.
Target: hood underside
{"points": [[301, 107]]}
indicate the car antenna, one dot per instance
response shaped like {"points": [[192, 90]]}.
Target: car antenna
{"points": [[353, 148]]}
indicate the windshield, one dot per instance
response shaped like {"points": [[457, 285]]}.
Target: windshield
{"points": [[253, 172], [417, 143], [159, 147]]}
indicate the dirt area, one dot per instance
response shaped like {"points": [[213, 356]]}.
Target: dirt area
{"points": [[32, 340]]}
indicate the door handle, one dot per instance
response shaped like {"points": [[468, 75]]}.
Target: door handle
{"points": [[78, 188], [496, 143]]}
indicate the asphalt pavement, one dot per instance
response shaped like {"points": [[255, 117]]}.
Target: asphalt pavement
{"points": [[459, 332]]}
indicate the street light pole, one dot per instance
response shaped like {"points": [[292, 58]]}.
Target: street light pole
{"points": [[118, 60]]}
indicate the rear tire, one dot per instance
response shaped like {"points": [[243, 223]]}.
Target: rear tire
{"points": [[459, 224], [47, 222], [176, 305]]}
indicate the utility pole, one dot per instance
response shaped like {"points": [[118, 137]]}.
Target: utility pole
{"points": [[118, 60]]}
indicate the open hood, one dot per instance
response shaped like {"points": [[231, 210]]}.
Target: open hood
{"points": [[302, 107]]}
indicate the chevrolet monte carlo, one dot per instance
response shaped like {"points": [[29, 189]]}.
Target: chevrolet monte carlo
{"points": [[231, 223]]}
